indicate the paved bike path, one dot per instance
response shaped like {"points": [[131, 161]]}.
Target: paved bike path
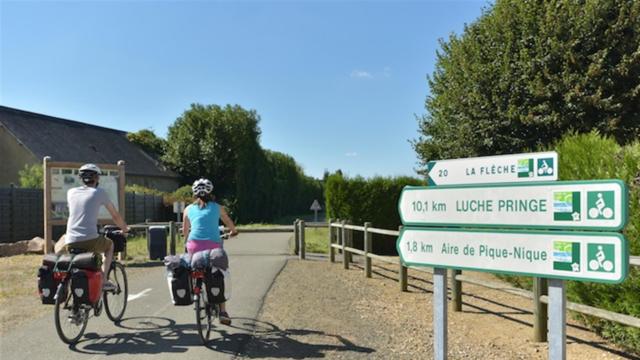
{"points": [[152, 327]]}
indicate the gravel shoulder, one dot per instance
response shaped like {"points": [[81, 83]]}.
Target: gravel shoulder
{"points": [[317, 309]]}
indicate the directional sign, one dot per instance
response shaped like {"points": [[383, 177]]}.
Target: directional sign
{"points": [[586, 256], [595, 204], [494, 169]]}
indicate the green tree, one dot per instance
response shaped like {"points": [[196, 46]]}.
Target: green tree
{"points": [[149, 142], [209, 140], [31, 177], [526, 72]]}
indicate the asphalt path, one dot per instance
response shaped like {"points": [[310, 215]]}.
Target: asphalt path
{"points": [[153, 327]]}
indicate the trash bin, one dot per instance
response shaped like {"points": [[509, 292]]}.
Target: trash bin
{"points": [[157, 242]]}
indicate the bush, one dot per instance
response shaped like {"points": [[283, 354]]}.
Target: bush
{"points": [[360, 200], [593, 156], [31, 177]]}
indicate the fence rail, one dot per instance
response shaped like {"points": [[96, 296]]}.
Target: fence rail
{"points": [[340, 238]]}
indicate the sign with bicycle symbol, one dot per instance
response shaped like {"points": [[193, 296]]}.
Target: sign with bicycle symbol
{"points": [[592, 204]]}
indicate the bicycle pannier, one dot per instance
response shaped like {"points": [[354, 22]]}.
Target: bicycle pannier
{"points": [[218, 286], [179, 281], [47, 285], [88, 261]]}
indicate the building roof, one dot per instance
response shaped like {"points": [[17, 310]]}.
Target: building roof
{"points": [[66, 140]]}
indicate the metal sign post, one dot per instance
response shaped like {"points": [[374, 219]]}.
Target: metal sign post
{"points": [[440, 314], [557, 320], [178, 209]]}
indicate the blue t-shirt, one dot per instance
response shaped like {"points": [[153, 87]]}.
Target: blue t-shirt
{"points": [[204, 222]]}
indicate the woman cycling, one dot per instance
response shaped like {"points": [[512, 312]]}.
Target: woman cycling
{"points": [[200, 226]]}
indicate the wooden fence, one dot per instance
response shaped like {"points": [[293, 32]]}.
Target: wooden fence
{"points": [[341, 238], [21, 212]]}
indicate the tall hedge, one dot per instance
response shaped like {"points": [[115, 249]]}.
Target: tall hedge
{"points": [[593, 156], [360, 200]]}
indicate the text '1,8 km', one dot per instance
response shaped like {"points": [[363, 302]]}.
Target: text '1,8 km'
{"points": [[597, 204], [586, 256]]}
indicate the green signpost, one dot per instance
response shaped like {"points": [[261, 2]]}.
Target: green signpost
{"points": [[568, 255], [593, 205], [518, 216]]}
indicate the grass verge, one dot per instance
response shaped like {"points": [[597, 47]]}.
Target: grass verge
{"points": [[317, 240]]}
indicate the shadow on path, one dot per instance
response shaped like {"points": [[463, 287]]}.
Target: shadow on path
{"points": [[246, 337]]}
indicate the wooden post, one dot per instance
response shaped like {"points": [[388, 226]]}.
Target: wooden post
{"points": [[367, 250], [48, 228], [456, 290], [332, 251], [303, 250], [172, 236], [540, 310], [349, 243], [345, 258], [12, 214], [403, 271], [296, 232]]}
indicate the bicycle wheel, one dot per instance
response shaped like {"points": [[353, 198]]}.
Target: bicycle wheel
{"points": [[71, 319], [115, 301], [203, 318]]}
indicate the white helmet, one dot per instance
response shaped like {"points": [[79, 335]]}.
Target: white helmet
{"points": [[87, 172], [202, 187], [89, 167]]}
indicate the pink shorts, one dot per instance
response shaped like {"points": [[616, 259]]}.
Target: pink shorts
{"points": [[193, 246]]}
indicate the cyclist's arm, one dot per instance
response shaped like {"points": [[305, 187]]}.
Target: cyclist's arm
{"points": [[227, 221], [186, 224], [115, 215]]}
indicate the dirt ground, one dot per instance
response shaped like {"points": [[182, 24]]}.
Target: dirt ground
{"points": [[317, 309], [19, 299]]}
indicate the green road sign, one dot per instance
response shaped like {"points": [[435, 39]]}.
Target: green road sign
{"points": [[567, 255], [597, 204], [510, 168]]}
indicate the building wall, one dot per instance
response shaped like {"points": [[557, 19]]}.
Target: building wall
{"points": [[152, 182], [13, 157]]}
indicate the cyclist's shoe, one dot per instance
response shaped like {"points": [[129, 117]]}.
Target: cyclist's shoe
{"points": [[224, 318], [109, 286]]}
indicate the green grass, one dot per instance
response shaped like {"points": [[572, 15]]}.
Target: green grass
{"points": [[317, 240], [137, 248]]}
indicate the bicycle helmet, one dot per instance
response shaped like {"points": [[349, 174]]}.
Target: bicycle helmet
{"points": [[88, 172], [202, 187]]}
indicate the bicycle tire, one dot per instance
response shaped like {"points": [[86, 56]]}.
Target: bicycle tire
{"points": [[115, 302], [203, 318], [64, 304]]}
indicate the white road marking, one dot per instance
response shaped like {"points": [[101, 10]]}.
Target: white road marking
{"points": [[138, 295]]}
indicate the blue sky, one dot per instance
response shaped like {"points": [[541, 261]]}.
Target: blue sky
{"points": [[337, 84]]}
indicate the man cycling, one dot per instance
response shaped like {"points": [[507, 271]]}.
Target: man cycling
{"points": [[200, 226], [82, 226]]}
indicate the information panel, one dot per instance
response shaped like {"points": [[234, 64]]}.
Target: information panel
{"points": [[65, 178]]}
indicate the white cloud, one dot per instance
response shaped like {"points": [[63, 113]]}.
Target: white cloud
{"points": [[361, 74], [386, 72], [351, 154]]}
